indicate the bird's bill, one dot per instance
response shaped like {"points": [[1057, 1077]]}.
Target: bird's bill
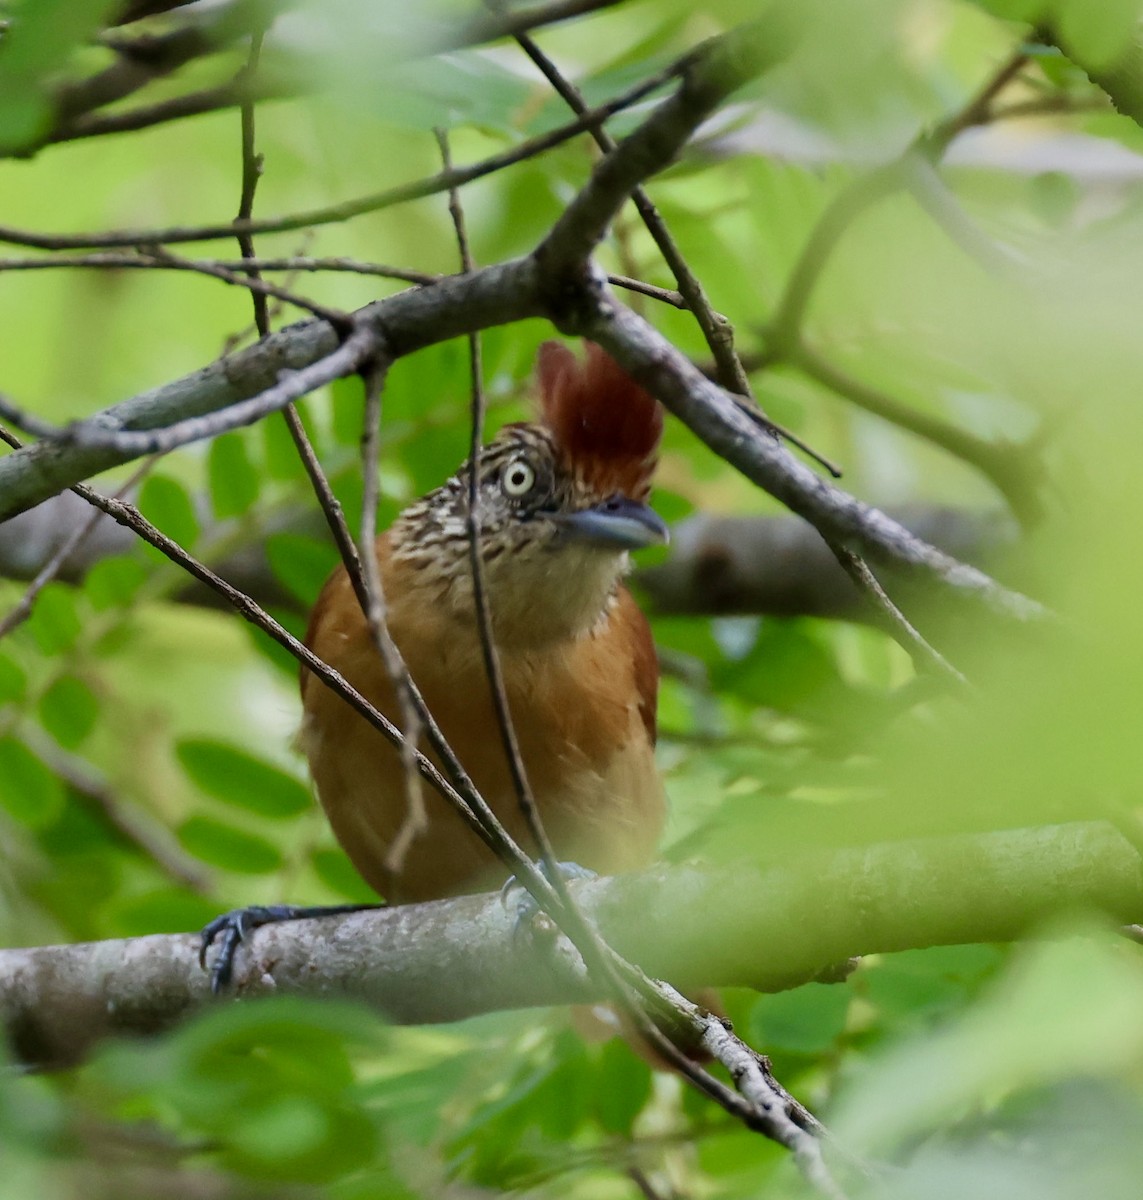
{"points": [[619, 523]]}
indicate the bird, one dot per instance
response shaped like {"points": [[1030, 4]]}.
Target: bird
{"points": [[563, 499]]}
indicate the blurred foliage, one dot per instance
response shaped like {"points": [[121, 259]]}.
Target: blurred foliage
{"points": [[975, 1070]]}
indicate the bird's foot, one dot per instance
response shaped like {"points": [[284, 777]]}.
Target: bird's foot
{"points": [[229, 930], [513, 891]]}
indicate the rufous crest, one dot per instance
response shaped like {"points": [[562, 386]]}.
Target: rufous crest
{"points": [[606, 427]]}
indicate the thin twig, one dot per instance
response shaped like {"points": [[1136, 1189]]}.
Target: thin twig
{"points": [[144, 260], [647, 1189], [191, 104], [519, 20], [665, 295], [415, 820], [251, 173], [249, 279], [892, 619], [484, 628], [330, 505]]}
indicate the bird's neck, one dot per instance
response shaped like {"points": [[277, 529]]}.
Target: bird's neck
{"points": [[538, 598]]}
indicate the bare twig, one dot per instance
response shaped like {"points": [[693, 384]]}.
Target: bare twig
{"points": [[330, 505], [144, 260], [483, 611], [249, 279], [415, 821], [520, 20], [251, 173], [664, 295], [892, 619]]}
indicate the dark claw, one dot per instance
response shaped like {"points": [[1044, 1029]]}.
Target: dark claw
{"points": [[230, 929], [526, 907]]}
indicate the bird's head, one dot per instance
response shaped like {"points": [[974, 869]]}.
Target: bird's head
{"points": [[561, 502]]}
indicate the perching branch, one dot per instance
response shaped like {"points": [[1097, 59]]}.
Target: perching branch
{"points": [[769, 928]]}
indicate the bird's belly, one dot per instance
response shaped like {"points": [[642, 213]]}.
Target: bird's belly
{"points": [[600, 797]]}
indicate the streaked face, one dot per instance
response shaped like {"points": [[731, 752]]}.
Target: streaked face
{"points": [[553, 549]]}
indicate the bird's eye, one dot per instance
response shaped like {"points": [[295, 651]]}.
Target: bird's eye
{"points": [[518, 478]]}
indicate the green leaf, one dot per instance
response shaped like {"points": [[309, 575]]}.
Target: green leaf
{"points": [[114, 582], [166, 503], [271, 1086], [236, 777], [464, 87], [163, 910], [301, 564], [925, 985], [281, 455], [1096, 32], [40, 40], [348, 409], [55, 622], [69, 710], [233, 477], [338, 874], [13, 680], [672, 506], [622, 1087], [805, 1020], [225, 846], [28, 790]]}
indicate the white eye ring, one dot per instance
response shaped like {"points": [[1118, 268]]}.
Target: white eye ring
{"points": [[518, 478]]}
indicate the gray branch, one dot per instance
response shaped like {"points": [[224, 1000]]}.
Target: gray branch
{"points": [[767, 927], [780, 566]]}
